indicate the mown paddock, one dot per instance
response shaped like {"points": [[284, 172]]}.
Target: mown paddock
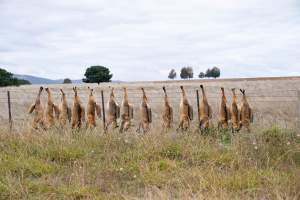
{"points": [[274, 100]]}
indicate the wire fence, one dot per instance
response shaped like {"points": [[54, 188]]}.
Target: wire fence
{"points": [[281, 107]]}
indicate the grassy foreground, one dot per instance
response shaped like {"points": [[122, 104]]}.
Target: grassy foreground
{"points": [[88, 165]]}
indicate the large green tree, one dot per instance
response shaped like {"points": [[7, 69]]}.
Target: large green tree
{"points": [[186, 72], [215, 72], [97, 74], [7, 79]]}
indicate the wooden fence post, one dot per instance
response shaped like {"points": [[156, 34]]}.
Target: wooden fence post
{"points": [[198, 107], [103, 111], [298, 105], [9, 111]]}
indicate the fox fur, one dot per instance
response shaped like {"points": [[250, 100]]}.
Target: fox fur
{"points": [[52, 111], [225, 114], [127, 112], [246, 115], [113, 110], [205, 111], [78, 111], [167, 114], [146, 114], [185, 111], [38, 109], [92, 109], [65, 111]]}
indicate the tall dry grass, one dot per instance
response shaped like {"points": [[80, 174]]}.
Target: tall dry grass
{"points": [[88, 164]]}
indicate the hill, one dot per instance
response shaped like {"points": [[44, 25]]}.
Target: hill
{"points": [[40, 80], [35, 80]]}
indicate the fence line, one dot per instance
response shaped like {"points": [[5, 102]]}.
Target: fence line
{"points": [[208, 88], [298, 111], [154, 98], [154, 95]]}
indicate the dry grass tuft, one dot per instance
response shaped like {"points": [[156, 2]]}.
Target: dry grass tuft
{"points": [[91, 165]]}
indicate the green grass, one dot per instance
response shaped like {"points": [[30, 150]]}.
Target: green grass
{"points": [[264, 164]]}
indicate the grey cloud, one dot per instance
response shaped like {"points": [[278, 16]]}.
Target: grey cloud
{"points": [[142, 40]]}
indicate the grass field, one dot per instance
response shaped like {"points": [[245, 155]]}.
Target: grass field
{"points": [[87, 165]]}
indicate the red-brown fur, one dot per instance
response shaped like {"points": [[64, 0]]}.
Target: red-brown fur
{"points": [[205, 110], [51, 110], [184, 110], [38, 109], [92, 110], [225, 114], [167, 114], [78, 111], [246, 115], [145, 114], [113, 111], [127, 111]]}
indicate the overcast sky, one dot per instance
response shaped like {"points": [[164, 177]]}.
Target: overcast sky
{"points": [[144, 39]]}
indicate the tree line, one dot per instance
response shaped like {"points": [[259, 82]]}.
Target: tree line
{"points": [[188, 73], [98, 74], [93, 74], [8, 79]]}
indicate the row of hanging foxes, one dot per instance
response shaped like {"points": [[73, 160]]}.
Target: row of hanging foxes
{"points": [[229, 117]]}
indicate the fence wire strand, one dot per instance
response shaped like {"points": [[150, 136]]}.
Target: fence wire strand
{"points": [[279, 101]]}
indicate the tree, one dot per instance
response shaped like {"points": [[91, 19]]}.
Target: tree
{"points": [[23, 82], [172, 74], [186, 72], [201, 75], [190, 72], [67, 81], [7, 79], [97, 74], [215, 72], [208, 73]]}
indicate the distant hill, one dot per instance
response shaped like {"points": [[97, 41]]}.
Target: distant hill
{"points": [[39, 80], [35, 80]]}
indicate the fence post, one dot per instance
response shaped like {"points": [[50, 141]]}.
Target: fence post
{"points": [[9, 110], [298, 105], [198, 107], [103, 111]]}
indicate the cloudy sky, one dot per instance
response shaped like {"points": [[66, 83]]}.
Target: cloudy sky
{"points": [[144, 39]]}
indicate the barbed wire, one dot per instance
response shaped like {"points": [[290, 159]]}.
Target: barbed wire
{"points": [[171, 94], [131, 87], [21, 97], [159, 99]]}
